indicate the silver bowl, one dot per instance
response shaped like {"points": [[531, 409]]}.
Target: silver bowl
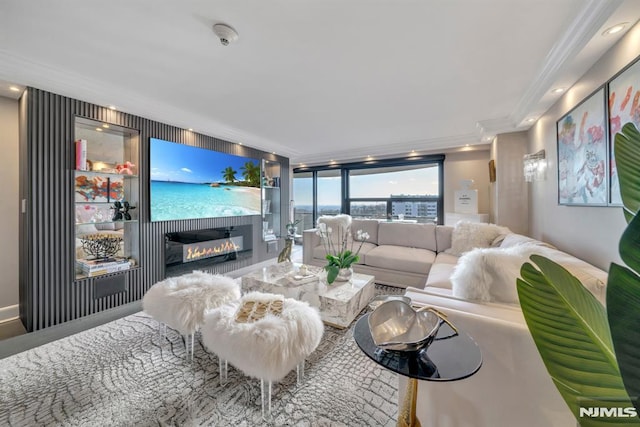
{"points": [[395, 325], [375, 303]]}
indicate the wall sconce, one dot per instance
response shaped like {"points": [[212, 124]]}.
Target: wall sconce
{"points": [[535, 166]]}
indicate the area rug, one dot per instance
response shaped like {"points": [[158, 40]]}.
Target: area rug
{"points": [[124, 373]]}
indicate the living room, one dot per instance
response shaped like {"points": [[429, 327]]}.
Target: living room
{"points": [[555, 45]]}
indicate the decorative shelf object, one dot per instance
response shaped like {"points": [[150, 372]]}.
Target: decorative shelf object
{"points": [[271, 203], [107, 189]]}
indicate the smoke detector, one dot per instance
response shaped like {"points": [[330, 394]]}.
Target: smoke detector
{"points": [[225, 33]]}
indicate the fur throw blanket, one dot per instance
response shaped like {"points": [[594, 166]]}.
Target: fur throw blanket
{"points": [[180, 302], [490, 274], [268, 348]]}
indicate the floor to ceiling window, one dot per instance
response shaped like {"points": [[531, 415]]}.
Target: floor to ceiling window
{"points": [[396, 192], [329, 193], [303, 200], [409, 189]]}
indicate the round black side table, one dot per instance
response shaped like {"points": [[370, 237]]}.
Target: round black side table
{"points": [[452, 356]]}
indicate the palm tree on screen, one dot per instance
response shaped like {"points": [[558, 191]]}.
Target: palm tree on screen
{"points": [[251, 173], [229, 174]]}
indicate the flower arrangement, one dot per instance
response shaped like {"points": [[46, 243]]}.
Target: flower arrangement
{"points": [[340, 253]]}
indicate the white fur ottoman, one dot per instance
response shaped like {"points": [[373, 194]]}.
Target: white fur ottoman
{"points": [[265, 344], [180, 302]]}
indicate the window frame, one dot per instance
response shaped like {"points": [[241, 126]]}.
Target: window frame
{"points": [[345, 168]]}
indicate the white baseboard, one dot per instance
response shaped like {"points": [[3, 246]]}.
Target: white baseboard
{"points": [[10, 312]]}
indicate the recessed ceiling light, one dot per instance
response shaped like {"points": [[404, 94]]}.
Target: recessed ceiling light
{"points": [[531, 119], [466, 145], [558, 90], [273, 152], [14, 88], [615, 29], [190, 129], [99, 129], [239, 143], [112, 107], [105, 125]]}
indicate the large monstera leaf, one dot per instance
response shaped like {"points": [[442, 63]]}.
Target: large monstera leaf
{"points": [[623, 285], [570, 329]]}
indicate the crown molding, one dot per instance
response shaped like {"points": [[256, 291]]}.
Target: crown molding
{"points": [[397, 149], [587, 22]]}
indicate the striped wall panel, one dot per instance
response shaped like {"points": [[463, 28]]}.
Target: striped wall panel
{"points": [[49, 294]]}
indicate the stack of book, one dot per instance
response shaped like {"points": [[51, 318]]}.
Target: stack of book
{"points": [[96, 268]]}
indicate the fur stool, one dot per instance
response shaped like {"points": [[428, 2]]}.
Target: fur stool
{"points": [[180, 302], [265, 336]]}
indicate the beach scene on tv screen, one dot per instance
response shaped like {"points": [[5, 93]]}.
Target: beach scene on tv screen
{"points": [[191, 182]]}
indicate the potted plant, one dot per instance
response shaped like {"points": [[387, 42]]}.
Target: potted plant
{"points": [[589, 351], [340, 256]]}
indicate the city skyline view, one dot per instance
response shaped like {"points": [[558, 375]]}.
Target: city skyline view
{"points": [[421, 181]]}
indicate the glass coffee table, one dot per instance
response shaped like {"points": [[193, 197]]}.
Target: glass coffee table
{"points": [[339, 303]]}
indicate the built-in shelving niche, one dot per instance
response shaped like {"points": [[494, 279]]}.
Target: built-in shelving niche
{"points": [[49, 291]]}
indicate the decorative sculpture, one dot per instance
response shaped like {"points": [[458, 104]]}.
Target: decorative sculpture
{"points": [[101, 246], [121, 211]]}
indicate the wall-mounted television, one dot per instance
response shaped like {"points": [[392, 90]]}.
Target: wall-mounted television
{"points": [[190, 182]]}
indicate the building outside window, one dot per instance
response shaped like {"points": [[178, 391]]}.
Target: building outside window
{"points": [[408, 189], [395, 192]]}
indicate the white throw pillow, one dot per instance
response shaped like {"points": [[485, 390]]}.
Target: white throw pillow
{"points": [[471, 235], [489, 274]]}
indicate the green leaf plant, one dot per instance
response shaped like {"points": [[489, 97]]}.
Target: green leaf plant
{"points": [[592, 353]]}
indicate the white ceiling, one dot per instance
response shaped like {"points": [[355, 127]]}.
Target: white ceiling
{"points": [[314, 80]]}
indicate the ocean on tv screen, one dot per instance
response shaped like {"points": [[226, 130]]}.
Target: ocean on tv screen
{"points": [[179, 200]]}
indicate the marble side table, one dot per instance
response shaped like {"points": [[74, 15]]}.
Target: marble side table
{"points": [[338, 303]]}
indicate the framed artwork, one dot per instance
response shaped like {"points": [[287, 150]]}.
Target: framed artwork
{"points": [[96, 188], [582, 154], [624, 107]]}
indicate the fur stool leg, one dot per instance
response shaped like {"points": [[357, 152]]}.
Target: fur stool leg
{"points": [[265, 336], [180, 302]]}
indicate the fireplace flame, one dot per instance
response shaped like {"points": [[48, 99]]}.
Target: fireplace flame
{"points": [[196, 252]]}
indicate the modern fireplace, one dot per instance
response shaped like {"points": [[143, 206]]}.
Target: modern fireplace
{"points": [[186, 251]]}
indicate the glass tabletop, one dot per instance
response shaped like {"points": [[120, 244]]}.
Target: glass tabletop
{"points": [[450, 357]]}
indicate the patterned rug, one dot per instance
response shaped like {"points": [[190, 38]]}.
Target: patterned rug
{"points": [[124, 373]]}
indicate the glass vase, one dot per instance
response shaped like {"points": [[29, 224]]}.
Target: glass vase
{"points": [[344, 275]]}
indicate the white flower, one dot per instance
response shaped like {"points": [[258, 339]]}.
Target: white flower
{"points": [[362, 235]]}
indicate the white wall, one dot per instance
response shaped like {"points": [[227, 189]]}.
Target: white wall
{"points": [[590, 233], [467, 165], [508, 195], [9, 208]]}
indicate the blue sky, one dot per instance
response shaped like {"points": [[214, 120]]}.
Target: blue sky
{"points": [[410, 182], [179, 162]]}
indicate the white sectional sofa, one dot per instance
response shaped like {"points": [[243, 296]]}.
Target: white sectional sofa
{"points": [[397, 254], [512, 388]]}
